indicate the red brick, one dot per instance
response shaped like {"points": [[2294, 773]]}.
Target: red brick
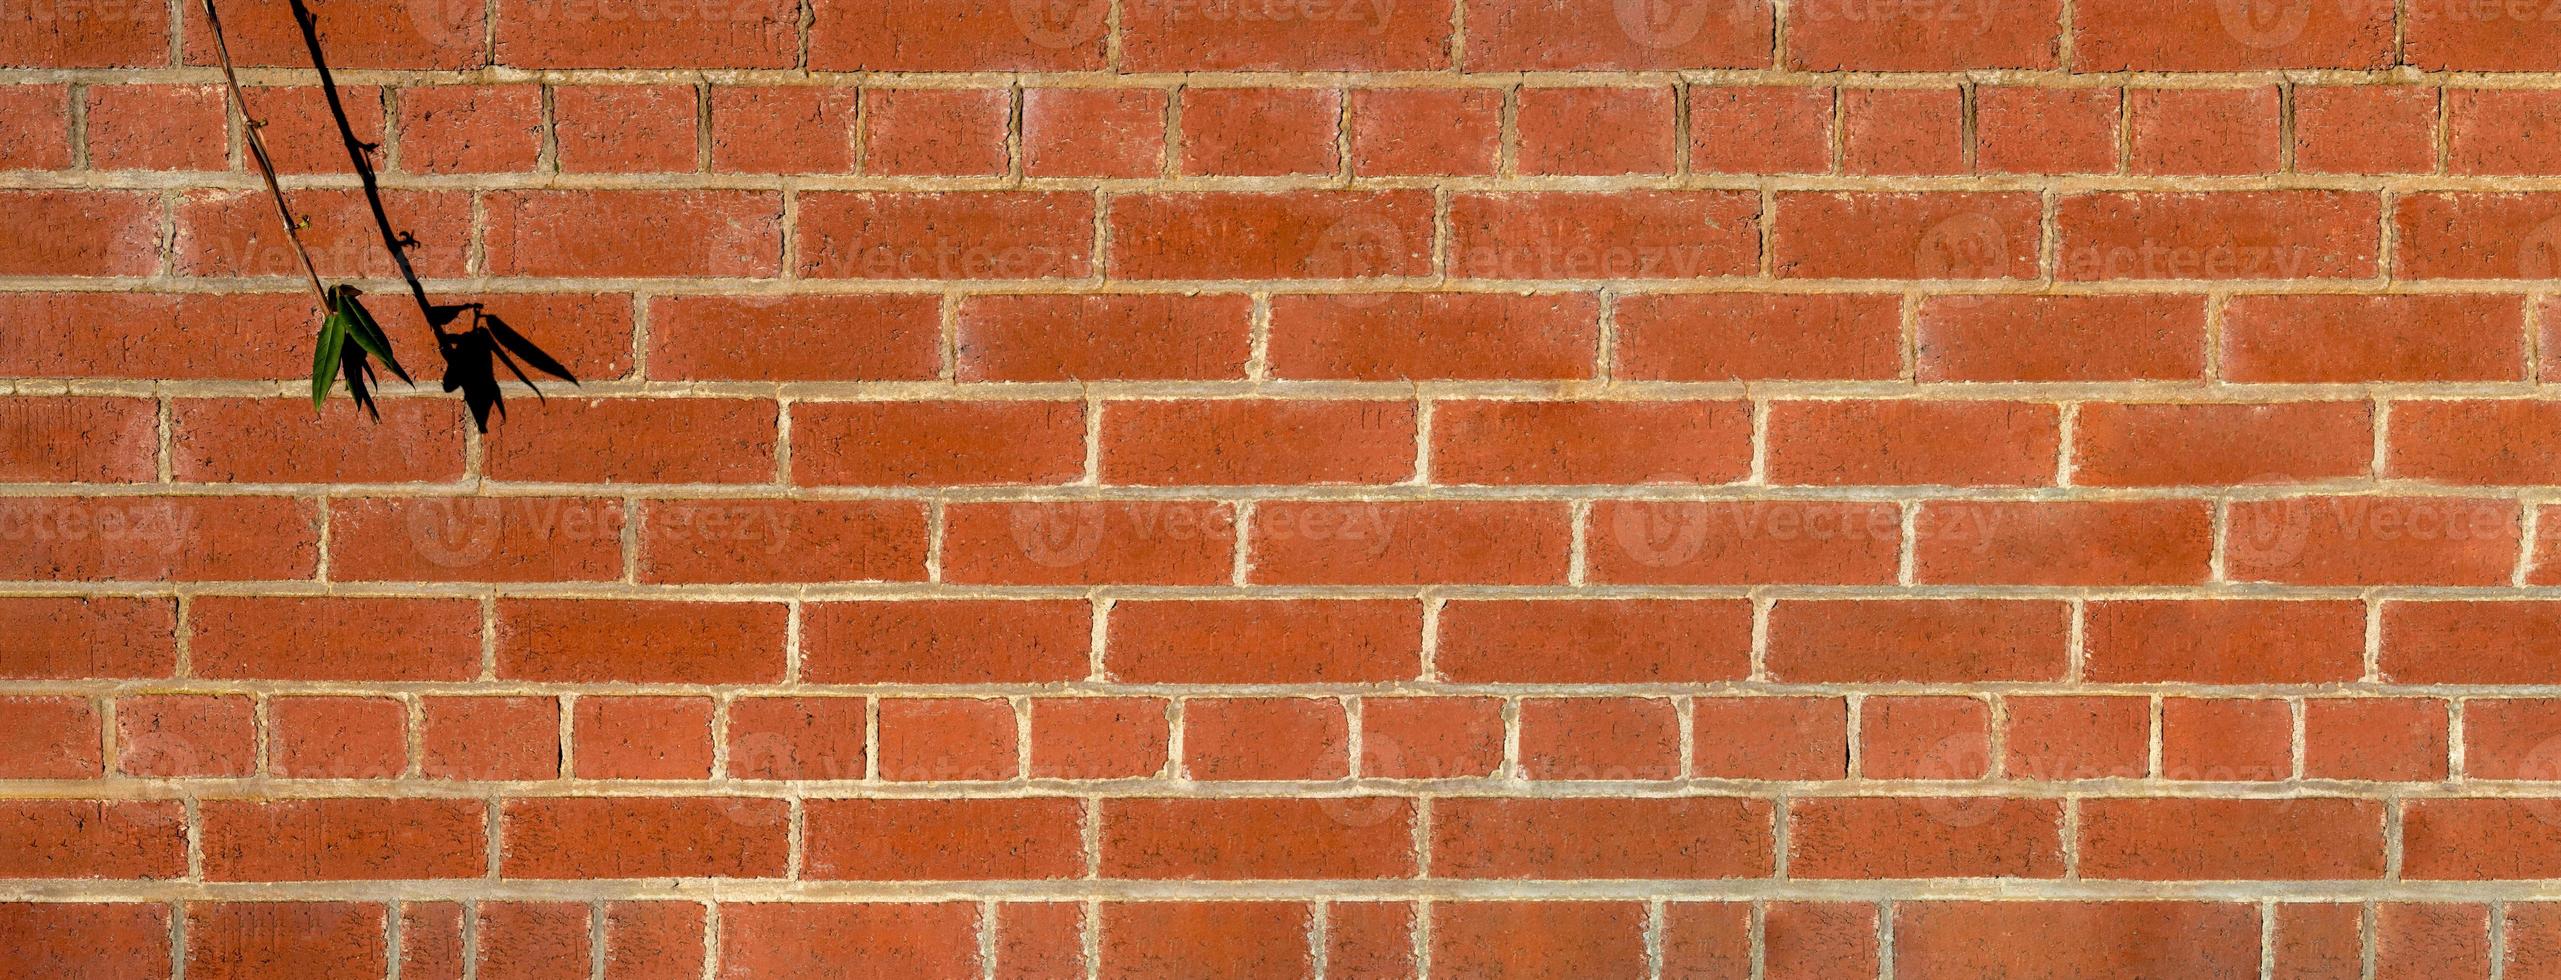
{"points": [[687, 837], [1594, 641], [589, 333], [1282, 642], [1903, 131], [716, 541], [1276, 235], [1413, 36], [638, 233], [954, 132], [2234, 641], [431, 945], [68, 839], [2372, 541], [2347, 339], [85, 36], [1370, 939], [65, 939], [1430, 737], [1172, 542], [966, 35], [2226, 740], [475, 539], [1265, 738], [2232, 235], [945, 840], [1102, 338], [626, 128], [794, 338], [2021, 129], [1869, 235], [35, 127], [960, 235], [1409, 543], [49, 738], [2365, 129], [247, 940], [1653, 838], [1953, 641], [782, 129], [1099, 738], [526, 940], [331, 638], [302, 128], [1434, 336], [2496, 443], [1769, 738], [1072, 132], [2491, 38], [1598, 940], [1925, 738], [1257, 838], [432, 35], [2532, 937], [2201, 35], [158, 127], [947, 738], [2287, 839], [88, 638], [1923, 837], [648, 34], [2061, 338], [1759, 337], [2204, 131], [174, 735], [2221, 443], [901, 939], [2479, 839], [796, 738], [1586, 235], [2431, 939], [939, 443], [160, 539], [1588, 442], [2543, 564], [78, 440], [470, 129], [637, 440], [2059, 738], [274, 440], [86, 233], [2318, 941], [2477, 236], [1760, 129], [641, 738], [642, 641], [1418, 131], [945, 641], [337, 738], [1600, 738], [344, 839], [489, 738], [1535, 35], [2511, 738], [1857, 35], [1594, 131], [1173, 940], [1256, 441], [2383, 739], [2491, 131], [1838, 443], [2055, 940], [1258, 132], [1711, 939], [1040, 940], [131, 335], [2129, 542], [1812, 940]]}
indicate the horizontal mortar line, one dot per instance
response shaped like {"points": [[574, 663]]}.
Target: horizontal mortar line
{"points": [[23, 527], [2178, 392], [1384, 689], [748, 287], [264, 789], [249, 182], [1318, 890], [820, 592], [269, 75]]}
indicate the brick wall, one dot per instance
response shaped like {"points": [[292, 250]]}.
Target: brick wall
{"points": [[1477, 488]]}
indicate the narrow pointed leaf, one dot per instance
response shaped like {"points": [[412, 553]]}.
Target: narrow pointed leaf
{"points": [[369, 335], [324, 367], [516, 343]]}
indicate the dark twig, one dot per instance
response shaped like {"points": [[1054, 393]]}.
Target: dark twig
{"points": [[258, 151]]}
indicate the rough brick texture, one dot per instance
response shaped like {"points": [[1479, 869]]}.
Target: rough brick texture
{"points": [[1569, 489]]}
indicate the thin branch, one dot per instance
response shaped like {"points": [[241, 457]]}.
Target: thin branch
{"points": [[391, 241], [258, 152]]}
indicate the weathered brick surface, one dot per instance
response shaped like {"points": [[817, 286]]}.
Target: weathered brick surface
{"points": [[1379, 488]]}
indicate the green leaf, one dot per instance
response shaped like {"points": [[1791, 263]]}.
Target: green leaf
{"points": [[324, 366], [368, 334]]}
